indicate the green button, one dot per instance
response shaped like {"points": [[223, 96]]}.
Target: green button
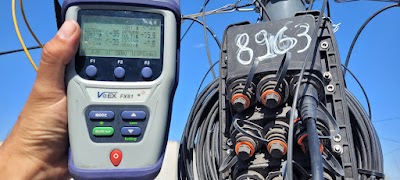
{"points": [[103, 131]]}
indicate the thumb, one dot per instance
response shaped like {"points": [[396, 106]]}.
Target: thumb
{"points": [[56, 54]]}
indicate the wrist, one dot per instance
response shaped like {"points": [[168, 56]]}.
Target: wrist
{"points": [[24, 156], [17, 165]]}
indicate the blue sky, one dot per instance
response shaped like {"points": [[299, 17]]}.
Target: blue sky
{"points": [[374, 61]]}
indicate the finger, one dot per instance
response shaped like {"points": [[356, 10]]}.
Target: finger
{"points": [[56, 54]]}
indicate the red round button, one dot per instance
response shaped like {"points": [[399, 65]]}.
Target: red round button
{"points": [[116, 157]]}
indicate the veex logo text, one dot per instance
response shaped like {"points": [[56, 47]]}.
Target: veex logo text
{"points": [[107, 95]]}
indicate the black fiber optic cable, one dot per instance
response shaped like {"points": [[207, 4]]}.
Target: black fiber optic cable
{"points": [[317, 168], [364, 131], [212, 170], [361, 122], [328, 9], [289, 172], [346, 64], [201, 167], [362, 118], [207, 166], [202, 135], [309, 104], [193, 139], [205, 106], [310, 5], [241, 6], [208, 71], [363, 90], [198, 114], [57, 12], [204, 159], [191, 24], [204, 78], [361, 131], [18, 50], [236, 7], [208, 28], [264, 9], [206, 39]]}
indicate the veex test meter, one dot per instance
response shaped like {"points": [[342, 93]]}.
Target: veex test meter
{"points": [[120, 86]]}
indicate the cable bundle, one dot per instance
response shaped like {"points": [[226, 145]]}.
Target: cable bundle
{"points": [[367, 145], [199, 150], [202, 147]]}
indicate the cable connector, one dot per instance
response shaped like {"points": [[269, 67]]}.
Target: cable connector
{"points": [[309, 104]]}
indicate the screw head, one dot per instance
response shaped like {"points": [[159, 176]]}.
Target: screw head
{"points": [[271, 100], [244, 152], [239, 104], [324, 45], [276, 150], [330, 88], [338, 149], [229, 142], [327, 75], [337, 138]]}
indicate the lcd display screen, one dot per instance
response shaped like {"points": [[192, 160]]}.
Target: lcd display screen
{"points": [[125, 37]]}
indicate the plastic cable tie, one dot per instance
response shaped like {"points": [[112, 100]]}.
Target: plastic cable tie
{"points": [[371, 173], [282, 70], [251, 75]]}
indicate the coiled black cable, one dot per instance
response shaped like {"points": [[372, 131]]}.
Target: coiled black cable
{"points": [[202, 113], [199, 154], [199, 149], [373, 151]]}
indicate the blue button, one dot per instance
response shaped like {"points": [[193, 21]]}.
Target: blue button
{"points": [[91, 71], [101, 115], [119, 72], [131, 131], [147, 72], [133, 115]]}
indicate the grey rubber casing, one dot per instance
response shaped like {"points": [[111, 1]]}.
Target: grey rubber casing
{"points": [[81, 93]]}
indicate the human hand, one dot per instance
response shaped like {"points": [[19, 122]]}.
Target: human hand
{"points": [[37, 147]]}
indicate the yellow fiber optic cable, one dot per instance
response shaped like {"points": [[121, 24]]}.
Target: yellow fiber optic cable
{"points": [[20, 37], [27, 23]]}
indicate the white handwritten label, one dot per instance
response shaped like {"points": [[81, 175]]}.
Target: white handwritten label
{"points": [[275, 44], [242, 41], [304, 34]]}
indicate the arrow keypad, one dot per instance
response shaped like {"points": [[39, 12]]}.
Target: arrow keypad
{"points": [[131, 131], [133, 115], [128, 122]]}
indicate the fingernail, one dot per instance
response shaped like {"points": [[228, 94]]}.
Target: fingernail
{"points": [[67, 29]]}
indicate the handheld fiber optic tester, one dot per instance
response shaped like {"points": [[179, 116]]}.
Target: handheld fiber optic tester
{"points": [[120, 86]]}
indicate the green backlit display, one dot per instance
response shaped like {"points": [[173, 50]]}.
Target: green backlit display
{"points": [[107, 36]]}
